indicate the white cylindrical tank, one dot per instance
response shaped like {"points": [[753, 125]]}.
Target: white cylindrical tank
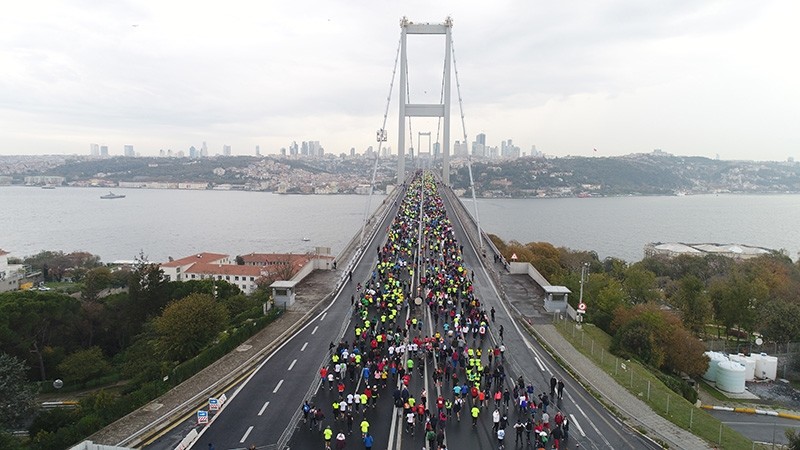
{"points": [[730, 377], [749, 368], [767, 367], [714, 358]]}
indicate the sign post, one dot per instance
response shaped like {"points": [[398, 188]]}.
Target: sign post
{"points": [[202, 417], [213, 404]]}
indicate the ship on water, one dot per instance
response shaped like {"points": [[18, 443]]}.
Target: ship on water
{"points": [[111, 195]]}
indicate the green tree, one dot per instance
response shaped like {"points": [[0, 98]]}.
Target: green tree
{"points": [[780, 321], [34, 325], [84, 365], [18, 396], [734, 300], [640, 285], [602, 295], [189, 324], [693, 302], [94, 281], [794, 439]]}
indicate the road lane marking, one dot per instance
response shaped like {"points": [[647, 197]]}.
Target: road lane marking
{"points": [[315, 329], [263, 408], [246, 433], [539, 363], [577, 425], [277, 387], [292, 364], [323, 316], [594, 427], [304, 347]]}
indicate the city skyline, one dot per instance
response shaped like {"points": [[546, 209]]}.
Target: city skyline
{"points": [[692, 78]]}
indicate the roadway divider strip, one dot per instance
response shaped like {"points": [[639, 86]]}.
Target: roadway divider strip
{"points": [[763, 412]]}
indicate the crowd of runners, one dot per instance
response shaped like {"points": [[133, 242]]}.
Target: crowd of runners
{"points": [[419, 325]]}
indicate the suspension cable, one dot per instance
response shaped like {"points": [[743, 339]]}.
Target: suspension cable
{"points": [[441, 102], [410, 132], [469, 154], [381, 140]]}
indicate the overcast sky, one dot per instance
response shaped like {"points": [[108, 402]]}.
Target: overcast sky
{"points": [[690, 77]]}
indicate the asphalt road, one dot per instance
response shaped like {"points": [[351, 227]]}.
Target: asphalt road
{"points": [[757, 427], [267, 406]]}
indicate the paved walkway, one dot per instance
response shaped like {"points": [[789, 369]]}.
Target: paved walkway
{"points": [[634, 411]]}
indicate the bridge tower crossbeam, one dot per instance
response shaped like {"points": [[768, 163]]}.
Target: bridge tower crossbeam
{"points": [[424, 109]]}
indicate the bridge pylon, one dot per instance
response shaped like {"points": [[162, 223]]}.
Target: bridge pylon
{"points": [[424, 109]]}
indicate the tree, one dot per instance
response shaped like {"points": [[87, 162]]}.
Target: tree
{"points": [[18, 396], [35, 324], [794, 439], [693, 302], [84, 365], [94, 281], [189, 324], [640, 285], [734, 299], [780, 321]]}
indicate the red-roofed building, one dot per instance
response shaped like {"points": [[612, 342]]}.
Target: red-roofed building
{"points": [[175, 268], [218, 266]]}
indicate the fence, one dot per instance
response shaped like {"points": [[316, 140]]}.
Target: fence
{"points": [[788, 353], [645, 385]]}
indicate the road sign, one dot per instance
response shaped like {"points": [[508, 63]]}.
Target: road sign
{"points": [[222, 399], [213, 404], [514, 256], [202, 417], [581, 307]]}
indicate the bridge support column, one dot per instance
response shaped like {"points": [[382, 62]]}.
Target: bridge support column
{"points": [[424, 109]]}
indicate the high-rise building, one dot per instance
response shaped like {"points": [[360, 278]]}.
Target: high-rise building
{"points": [[481, 139], [103, 151], [258, 150], [294, 149], [94, 149], [304, 148], [352, 151], [226, 150], [204, 150], [192, 152], [127, 151]]}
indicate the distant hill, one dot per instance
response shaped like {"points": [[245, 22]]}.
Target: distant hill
{"points": [[656, 173]]}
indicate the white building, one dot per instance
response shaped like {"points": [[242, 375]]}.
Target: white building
{"points": [[10, 274], [214, 266]]}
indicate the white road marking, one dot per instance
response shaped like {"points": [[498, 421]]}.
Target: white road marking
{"points": [[594, 427], [277, 387], [292, 365], [539, 363], [314, 330], [246, 433], [304, 347], [577, 425], [323, 316], [263, 408]]}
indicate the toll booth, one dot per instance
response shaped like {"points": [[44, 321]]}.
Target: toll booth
{"points": [[283, 293], [555, 298]]}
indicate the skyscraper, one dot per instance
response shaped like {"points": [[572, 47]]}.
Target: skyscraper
{"points": [[258, 150], [127, 151], [204, 150], [103, 151], [94, 150], [226, 150]]}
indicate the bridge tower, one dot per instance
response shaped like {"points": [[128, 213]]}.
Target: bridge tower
{"points": [[424, 109]]}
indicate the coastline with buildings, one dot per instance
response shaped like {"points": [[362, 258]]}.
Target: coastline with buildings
{"points": [[497, 172]]}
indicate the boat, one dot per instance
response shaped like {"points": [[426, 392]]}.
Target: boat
{"points": [[48, 186], [111, 195], [305, 239]]}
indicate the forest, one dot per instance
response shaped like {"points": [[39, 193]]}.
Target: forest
{"points": [[119, 348], [659, 310]]}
